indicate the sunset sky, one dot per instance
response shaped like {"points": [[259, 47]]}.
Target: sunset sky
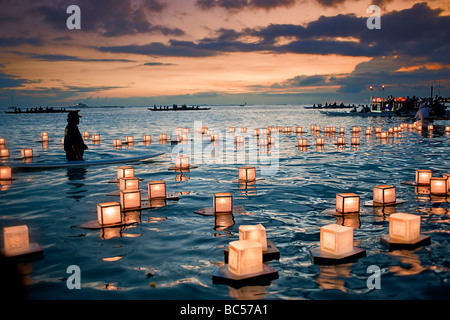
{"points": [[138, 53]]}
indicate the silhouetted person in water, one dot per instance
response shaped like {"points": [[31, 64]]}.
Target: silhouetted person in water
{"points": [[73, 141]]}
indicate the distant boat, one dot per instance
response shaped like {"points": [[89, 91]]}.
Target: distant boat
{"points": [[177, 108], [81, 105]]}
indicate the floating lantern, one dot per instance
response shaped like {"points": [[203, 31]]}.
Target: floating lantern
{"points": [[117, 143], [222, 202], [16, 240], [2, 142], [129, 139], [320, 141], [231, 129], [355, 141], [215, 137], [256, 132], [299, 129], [347, 203], [384, 135], [404, 227], [430, 127], [340, 141], [245, 257], [254, 232], [423, 177], [384, 194], [4, 153], [336, 239], [263, 141], [247, 174], [302, 142], [182, 162], [86, 134], [162, 136], [341, 130], [131, 183], [109, 213], [447, 129], [240, 139], [390, 130], [44, 136], [438, 186], [5, 173], [243, 130], [287, 130], [356, 129], [95, 138], [130, 199], [447, 176], [125, 172], [378, 130], [26, 153], [156, 190]]}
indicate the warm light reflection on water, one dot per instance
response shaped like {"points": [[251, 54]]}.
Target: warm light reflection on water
{"points": [[167, 251]]}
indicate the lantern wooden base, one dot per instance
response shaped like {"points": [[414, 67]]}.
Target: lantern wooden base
{"points": [[322, 257], [298, 146], [245, 181], [393, 244], [210, 211], [413, 183], [272, 253], [183, 169], [223, 275], [117, 180], [34, 253], [372, 203], [438, 198], [334, 212], [41, 141], [95, 225]]}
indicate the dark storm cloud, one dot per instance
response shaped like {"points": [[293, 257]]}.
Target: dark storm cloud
{"points": [[110, 18], [62, 57], [416, 32], [17, 41], [8, 81]]}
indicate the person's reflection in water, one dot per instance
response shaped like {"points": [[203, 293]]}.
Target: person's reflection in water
{"points": [[76, 178]]}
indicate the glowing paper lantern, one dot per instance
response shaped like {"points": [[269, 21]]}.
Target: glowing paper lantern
{"points": [[243, 130], [239, 139], [215, 137], [336, 239], [340, 141], [368, 132], [384, 194], [4, 153], [447, 129], [156, 190], [16, 240], [430, 127], [299, 129], [44, 136], [404, 227], [302, 142], [182, 162], [125, 172], [163, 136], [86, 134], [245, 257], [95, 138], [320, 141], [341, 130], [130, 199], [128, 183], [254, 232], [222, 202], [423, 177], [378, 130], [2, 141], [231, 129], [256, 132], [347, 203], [384, 135], [117, 143], [247, 174], [438, 186], [5, 173], [129, 139], [355, 141], [447, 176], [109, 213], [26, 153]]}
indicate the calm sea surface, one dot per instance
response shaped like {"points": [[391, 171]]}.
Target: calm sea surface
{"points": [[172, 252]]}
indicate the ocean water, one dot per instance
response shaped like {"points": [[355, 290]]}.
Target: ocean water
{"points": [[171, 252]]}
